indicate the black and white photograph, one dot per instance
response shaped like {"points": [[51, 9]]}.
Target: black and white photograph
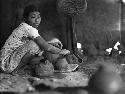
{"points": [[62, 47]]}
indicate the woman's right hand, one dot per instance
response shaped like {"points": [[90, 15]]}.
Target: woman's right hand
{"points": [[64, 52]]}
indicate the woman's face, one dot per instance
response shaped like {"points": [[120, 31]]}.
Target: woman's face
{"points": [[34, 19]]}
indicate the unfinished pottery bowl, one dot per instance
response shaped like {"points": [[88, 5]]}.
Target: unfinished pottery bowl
{"points": [[44, 69], [61, 64]]}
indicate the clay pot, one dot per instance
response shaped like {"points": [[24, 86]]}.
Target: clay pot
{"points": [[61, 64], [106, 80], [44, 69]]}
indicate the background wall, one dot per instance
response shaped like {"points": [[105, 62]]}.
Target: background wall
{"points": [[97, 28]]}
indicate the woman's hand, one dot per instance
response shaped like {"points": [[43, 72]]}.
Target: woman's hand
{"points": [[36, 60], [56, 42], [64, 52]]}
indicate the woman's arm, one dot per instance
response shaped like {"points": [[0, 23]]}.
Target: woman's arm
{"points": [[45, 46], [33, 33]]}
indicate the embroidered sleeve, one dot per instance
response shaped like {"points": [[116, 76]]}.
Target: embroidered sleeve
{"points": [[32, 32]]}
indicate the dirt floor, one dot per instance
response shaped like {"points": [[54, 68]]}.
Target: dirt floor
{"points": [[60, 83]]}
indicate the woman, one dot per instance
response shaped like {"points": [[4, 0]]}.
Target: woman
{"points": [[25, 42]]}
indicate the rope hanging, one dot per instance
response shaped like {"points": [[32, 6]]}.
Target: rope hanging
{"points": [[72, 8]]}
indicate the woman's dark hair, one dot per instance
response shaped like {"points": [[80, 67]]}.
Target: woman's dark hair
{"points": [[28, 9]]}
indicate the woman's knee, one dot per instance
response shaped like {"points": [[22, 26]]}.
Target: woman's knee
{"points": [[34, 48]]}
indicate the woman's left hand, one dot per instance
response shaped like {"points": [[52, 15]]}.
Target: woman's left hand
{"points": [[36, 60]]}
